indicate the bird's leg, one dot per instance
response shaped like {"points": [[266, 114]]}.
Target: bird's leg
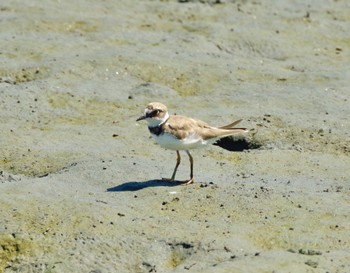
{"points": [[191, 175], [178, 160]]}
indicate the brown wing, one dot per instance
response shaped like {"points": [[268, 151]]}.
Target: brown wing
{"points": [[216, 133], [181, 127]]}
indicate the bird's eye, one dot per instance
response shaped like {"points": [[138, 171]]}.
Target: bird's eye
{"points": [[154, 113]]}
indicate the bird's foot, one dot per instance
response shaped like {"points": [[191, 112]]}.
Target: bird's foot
{"points": [[183, 183], [187, 182]]}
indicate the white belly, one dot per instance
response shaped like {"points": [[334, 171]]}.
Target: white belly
{"points": [[168, 141]]}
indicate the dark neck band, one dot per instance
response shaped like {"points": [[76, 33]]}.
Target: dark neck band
{"points": [[157, 130]]}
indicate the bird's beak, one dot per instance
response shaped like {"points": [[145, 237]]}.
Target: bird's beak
{"points": [[141, 117]]}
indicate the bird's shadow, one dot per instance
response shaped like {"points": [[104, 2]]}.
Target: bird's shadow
{"points": [[136, 186]]}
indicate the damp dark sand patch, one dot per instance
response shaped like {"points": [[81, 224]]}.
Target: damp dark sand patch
{"points": [[234, 144]]}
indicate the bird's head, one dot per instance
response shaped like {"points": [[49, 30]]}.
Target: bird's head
{"points": [[155, 114]]}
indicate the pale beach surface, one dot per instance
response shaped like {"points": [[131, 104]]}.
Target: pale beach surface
{"points": [[80, 187]]}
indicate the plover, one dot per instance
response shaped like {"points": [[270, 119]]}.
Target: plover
{"points": [[177, 132]]}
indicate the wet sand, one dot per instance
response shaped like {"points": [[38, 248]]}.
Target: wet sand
{"points": [[80, 187]]}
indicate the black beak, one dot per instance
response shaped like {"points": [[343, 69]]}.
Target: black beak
{"points": [[141, 117]]}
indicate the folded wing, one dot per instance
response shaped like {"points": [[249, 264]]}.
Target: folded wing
{"points": [[182, 127]]}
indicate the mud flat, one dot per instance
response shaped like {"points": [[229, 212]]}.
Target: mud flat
{"points": [[80, 187]]}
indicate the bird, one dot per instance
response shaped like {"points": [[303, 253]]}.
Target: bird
{"points": [[176, 132]]}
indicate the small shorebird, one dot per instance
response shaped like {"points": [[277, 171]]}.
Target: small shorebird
{"points": [[177, 133]]}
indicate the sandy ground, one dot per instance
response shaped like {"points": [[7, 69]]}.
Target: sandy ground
{"points": [[79, 180]]}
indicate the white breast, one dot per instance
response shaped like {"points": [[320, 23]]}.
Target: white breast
{"points": [[168, 141]]}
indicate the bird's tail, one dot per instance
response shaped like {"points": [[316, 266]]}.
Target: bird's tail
{"points": [[228, 141], [212, 134], [231, 125], [232, 130]]}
